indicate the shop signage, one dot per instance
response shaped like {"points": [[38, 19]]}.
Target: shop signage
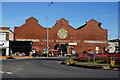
{"points": [[90, 41], [72, 44], [34, 40]]}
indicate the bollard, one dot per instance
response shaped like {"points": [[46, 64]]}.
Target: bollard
{"points": [[70, 59]]}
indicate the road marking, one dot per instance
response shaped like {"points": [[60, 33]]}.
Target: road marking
{"points": [[9, 72], [1, 72]]}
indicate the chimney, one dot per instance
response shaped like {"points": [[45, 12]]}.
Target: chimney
{"points": [[99, 24]]}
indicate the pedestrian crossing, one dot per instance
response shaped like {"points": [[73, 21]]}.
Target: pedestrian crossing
{"points": [[1, 72]]}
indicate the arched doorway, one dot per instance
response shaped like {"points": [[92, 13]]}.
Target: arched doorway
{"points": [[62, 48], [56, 46]]}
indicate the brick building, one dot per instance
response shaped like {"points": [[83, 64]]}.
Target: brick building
{"points": [[89, 36]]}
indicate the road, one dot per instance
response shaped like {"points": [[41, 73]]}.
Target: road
{"points": [[49, 68]]}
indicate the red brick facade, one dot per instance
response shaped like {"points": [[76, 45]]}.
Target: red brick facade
{"points": [[87, 37]]}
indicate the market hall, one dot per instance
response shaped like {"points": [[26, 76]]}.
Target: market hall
{"points": [[91, 36]]}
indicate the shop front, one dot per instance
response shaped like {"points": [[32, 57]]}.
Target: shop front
{"points": [[4, 48], [17, 48]]}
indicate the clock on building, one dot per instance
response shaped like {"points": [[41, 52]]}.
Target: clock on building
{"points": [[62, 33]]}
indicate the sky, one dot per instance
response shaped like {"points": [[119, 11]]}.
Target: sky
{"points": [[77, 13]]}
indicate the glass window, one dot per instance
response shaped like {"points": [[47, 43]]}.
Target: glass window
{"points": [[3, 35]]}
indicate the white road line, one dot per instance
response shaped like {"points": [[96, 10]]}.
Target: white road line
{"points": [[9, 72], [1, 72]]}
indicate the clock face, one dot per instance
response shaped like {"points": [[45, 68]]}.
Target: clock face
{"points": [[62, 33]]}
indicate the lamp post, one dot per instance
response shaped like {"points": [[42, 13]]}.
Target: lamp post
{"points": [[47, 27]]}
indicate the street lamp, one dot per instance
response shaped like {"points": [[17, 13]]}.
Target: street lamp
{"points": [[47, 27]]}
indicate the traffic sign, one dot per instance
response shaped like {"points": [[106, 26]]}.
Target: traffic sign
{"points": [[45, 49], [112, 61]]}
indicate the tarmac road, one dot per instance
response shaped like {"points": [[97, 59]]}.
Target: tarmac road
{"points": [[49, 68]]}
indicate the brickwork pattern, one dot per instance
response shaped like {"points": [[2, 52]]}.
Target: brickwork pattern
{"points": [[92, 31]]}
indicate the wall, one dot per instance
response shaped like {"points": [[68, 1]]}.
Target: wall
{"points": [[88, 37]]}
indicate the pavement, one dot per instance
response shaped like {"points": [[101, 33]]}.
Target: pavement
{"points": [[4, 57], [30, 57], [92, 65]]}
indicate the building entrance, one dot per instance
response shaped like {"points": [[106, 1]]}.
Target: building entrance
{"points": [[3, 52], [62, 49], [21, 47]]}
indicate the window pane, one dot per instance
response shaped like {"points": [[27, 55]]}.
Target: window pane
{"points": [[3, 36]]}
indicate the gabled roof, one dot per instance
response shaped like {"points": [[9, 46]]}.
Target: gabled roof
{"points": [[81, 26], [32, 18], [92, 20], [62, 19]]}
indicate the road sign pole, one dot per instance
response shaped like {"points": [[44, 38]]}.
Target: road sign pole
{"points": [[94, 57], [70, 59]]}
